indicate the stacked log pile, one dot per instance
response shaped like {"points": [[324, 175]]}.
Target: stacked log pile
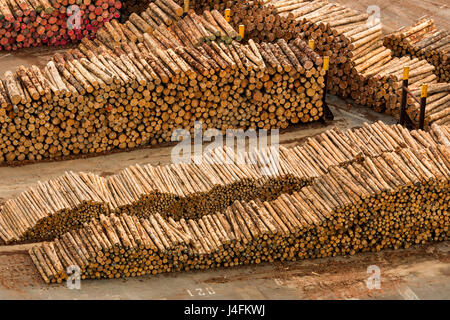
{"points": [[264, 21], [389, 80], [438, 104], [190, 191], [31, 23], [424, 41], [261, 23], [133, 6], [138, 6], [393, 201], [130, 88], [360, 66]]}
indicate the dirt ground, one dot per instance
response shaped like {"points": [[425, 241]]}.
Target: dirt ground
{"points": [[28, 57], [421, 272], [395, 14]]}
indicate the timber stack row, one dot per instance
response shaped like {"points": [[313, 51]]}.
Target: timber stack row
{"points": [[138, 6], [424, 41], [265, 22], [392, 201], [138, 82], [261, 23], [191, 191], [438, 104], [31, 23], [361, 67], [133, 6]]}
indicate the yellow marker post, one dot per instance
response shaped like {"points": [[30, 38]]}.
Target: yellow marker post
{"points": [[423, 103], [424, 92], [227, 14], [311, 44], [405, 73], [326, 63], [242, 30], [404, 95], [186, 6]]}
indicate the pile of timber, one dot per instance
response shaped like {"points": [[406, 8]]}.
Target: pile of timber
{"points": [[133, 6], [138, 6], [360, 66], [31, 23], [130, 88], [261, 23], [438, 104], [265, 22], [389, 80], [191, 191], [392, 201], [170, 28], [423, 40]]}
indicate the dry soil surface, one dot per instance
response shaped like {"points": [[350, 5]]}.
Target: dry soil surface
{"points": [[395, 14], [420, 272]]}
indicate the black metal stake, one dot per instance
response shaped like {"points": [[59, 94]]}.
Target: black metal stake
{"points": [[324, 98], [403, 105], [404, 95], [423, 103], [327, 114]]}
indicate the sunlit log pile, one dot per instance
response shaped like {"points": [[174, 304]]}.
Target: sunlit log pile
{"points": [[133, 6], [138, 6], [438, 104], [31, 23], [137, 82], [424, 41], [388, 202], [360, 66], [191, 191], [261, 22]]}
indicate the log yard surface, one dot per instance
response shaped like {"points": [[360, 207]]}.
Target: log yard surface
{"points": [[32, 258]]}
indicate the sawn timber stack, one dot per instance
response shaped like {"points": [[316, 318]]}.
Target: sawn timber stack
{"points": [[360, 66], [191, 191], [424, 41], [388, 202], [32, 23], [130, 88]]}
